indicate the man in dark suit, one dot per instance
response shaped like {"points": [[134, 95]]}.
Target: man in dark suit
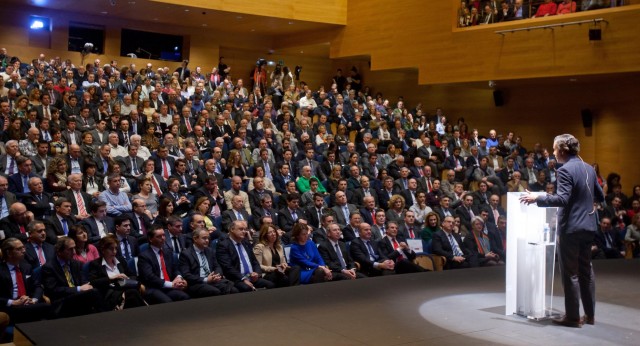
{"points": [[290, 214], [315, 210], [256, 194], [15, 223], [265, 209], [394, 247], [607, 241], [158, 271], [98, 225], [38, 252], [467, 211], [79, 199], [448, 244], [100, 134], [75, 162], [336, 257], [164, 163], [177, 240], [183, 72], [19, 182], [63, 283], [85, 121], [366, 252], [281, 178], [71, 135], [41, 160], [133, 165], [578, 190], [342, 209], [140, 219], [37, 201], [200, 269], [236, 213], [60, 223], [158, 184], [238, 263], [410, 228], [24, 304], [495, 209], [129, 247], [365, 190]]}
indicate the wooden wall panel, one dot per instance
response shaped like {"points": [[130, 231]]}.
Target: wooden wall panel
{"points": [[327, 11]]}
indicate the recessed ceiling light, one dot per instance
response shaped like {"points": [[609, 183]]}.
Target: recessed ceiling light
{"points": [[290, 23], [186, 10], [301, 52], [253, 29], [131, 2], [205, 24], [104, 12], [155, 18], [573, 79], [238, 17]]}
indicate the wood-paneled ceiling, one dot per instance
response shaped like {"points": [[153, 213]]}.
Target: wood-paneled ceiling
{"points": [[181, 15]]}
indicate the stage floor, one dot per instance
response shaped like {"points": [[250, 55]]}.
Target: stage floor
{"points": [[443, 308]]}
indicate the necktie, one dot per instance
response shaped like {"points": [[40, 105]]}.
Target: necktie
{"points": [[125, 245], [396, 247], [46, 136], [345, 210], [46, 113], [65, 227], [22, 229], [165, 169], [496, 214], [67, 275], [428, 185], [372, 254], [143, 228], [3, 211], [382, 231], [246, 269], [82, 210], [204, 264], [454, 246], [41, 258], [20, 282], [12, 165], [188, 123], [294, 216], [163, 266], [404, 182], [156, 186], [343, 264], [411, 234], [134, 167], [373, 216], [239, 216], [105, 166], [126, 138], [176, 244], [25, 184]]}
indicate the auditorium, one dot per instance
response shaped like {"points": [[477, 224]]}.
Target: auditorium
{"points": [[205, 172]]}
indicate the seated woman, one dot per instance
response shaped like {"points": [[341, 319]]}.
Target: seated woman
{"points": [[91, 183], [146, 194], [273, 264], [479, 243], [165, 209], [85, 252], [304, 253], [87, 149], [57, 175], [57, 146], [235, 166], [633, 234], [396, 209], [203, 207], [108, 274], [431, 226]]}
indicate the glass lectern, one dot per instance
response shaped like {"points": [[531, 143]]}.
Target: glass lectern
{"points": [[531, 248]]}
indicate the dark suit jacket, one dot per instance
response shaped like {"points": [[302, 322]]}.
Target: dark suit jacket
{"points": [[227, 257], [158, 164], [339, 215], [465, 218], [228, 216], [92, 228], [15, 184], [31, 282], [441, 246], [133, 246], [254, 198], [149, 269], [32, 257], [285, 220], [258, 213], [39, 165], [68, 161], [54, 227], [184, 241], [330, 257], [189, 265], [360, 254], [41, 209], [358, 197], [127, 165], [99, 278], [278, 182], [67, 138], [311, 214], [54, 281], [12, 229], [135, 224], [70, 196], [386, 247], [577, 191]]}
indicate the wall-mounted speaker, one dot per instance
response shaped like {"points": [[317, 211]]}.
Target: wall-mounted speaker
{"points": [[587, 118], [498, 98]]}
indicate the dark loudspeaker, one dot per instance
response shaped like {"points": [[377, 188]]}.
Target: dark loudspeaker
{"points": [[587, 118], [498, 98], [595, 34]]}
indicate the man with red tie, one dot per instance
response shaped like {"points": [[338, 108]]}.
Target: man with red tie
{"points": [[411, 228], [394, 247], [20, 290], [15, 225], [158, 272]]}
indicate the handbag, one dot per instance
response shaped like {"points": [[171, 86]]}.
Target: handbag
{"points": [[125, 284]]}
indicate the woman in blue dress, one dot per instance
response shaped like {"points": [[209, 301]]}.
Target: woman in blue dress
{"points": [[304, 253]]}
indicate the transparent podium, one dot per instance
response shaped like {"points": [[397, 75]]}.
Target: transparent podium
{"points": [[531, 248]]}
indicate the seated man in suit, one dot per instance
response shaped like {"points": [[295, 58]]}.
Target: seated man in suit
{"points": [[79, 199], [158, 272], [199, 267], [15, 224], [265, 209], [128, 244], [19, 182], [394, 247], [448, 244], [236, 213], [607, 242], [37, 201], [290, 214], [180, 199], [321, 233], [38, 252], [238, 262], [342, 209], [63, 284], [256, 194], [140, 219], [60, 223], [336, 257], [176, 241], [98, 224], [410, 229], [20, 290], [366, 252], [466, 211]]}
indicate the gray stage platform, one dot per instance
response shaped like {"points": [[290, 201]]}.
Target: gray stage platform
{"points": [[441, 308]]}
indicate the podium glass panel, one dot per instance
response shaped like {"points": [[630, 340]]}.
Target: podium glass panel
{"points": [[531, 248]]}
